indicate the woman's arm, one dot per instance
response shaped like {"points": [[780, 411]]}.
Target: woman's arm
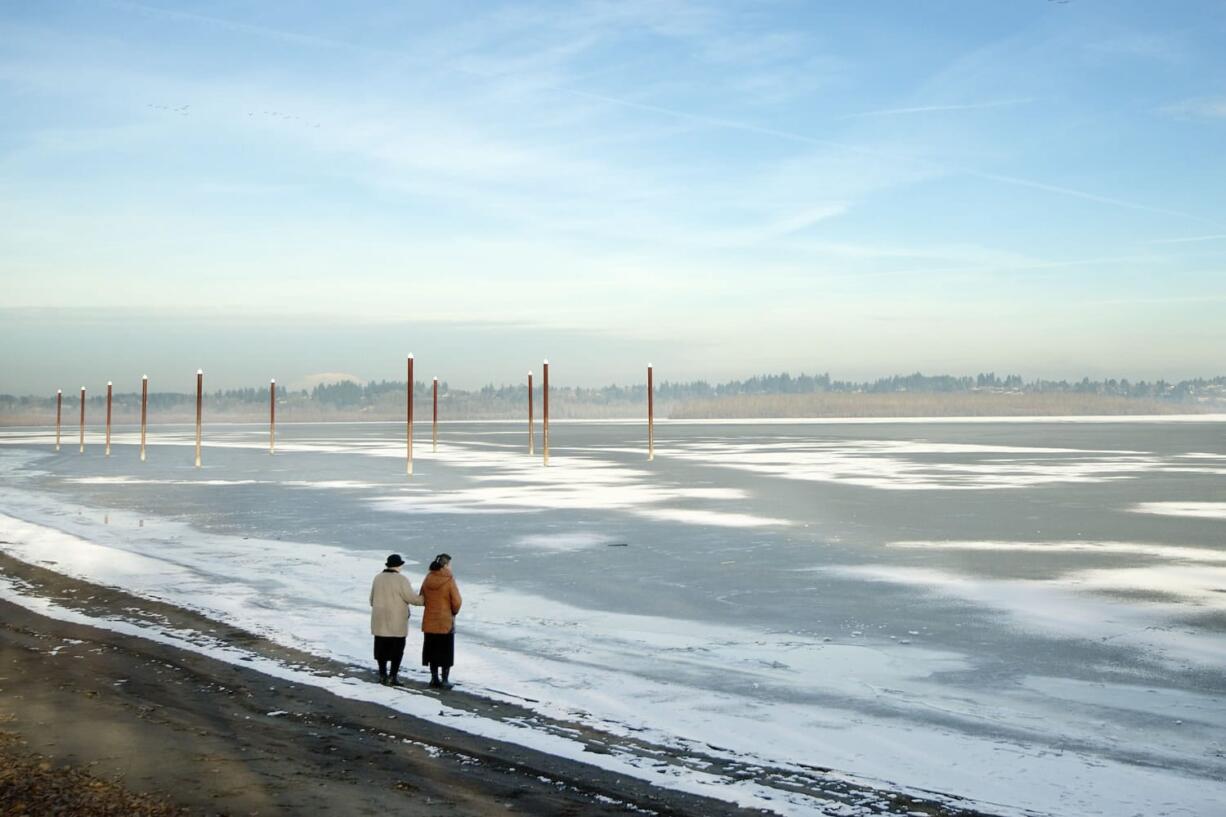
{"points": [[408, 595]]}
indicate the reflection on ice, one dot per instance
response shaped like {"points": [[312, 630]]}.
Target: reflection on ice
{"points": [[1062, 607], [509, 482], [1199, 585], [1202, 510], [1165, 552], [325, 485], [905, 465], [561, 542], [723, 519]]}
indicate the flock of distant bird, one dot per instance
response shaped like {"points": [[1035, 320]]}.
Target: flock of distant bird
{"points": [[182, 110]]}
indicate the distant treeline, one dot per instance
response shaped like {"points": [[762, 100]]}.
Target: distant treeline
{"points": [[769, 395], [990, 381], [979, 403]]}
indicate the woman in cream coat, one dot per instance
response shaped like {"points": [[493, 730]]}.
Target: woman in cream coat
{"points": [[390, 597]]}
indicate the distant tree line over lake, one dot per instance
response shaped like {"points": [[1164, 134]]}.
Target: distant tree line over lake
{"points": [[770, 395]]}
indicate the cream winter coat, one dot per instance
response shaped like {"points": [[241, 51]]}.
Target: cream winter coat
{"points": [[390, 597]]}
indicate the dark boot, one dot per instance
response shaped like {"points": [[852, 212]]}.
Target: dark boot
{"points": [[434, 681], [446, 674]]}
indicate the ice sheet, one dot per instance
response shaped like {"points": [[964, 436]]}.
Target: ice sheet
{"points": [[908, 465], [890, 704]]}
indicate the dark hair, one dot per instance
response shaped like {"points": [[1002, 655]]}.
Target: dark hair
{"points": [[440, 561]]}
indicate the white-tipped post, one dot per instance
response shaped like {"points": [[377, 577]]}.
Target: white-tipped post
{"points": [[651, 416], [545, 411], [408, 468], [531, 431], [144, 412], [199, 410], [108, 418], [272, 415]]}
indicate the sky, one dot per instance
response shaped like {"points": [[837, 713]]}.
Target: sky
{"points": [[307, 190]]}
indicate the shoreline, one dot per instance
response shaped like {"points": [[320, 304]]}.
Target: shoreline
{"points": [[125, 674], [1206, 417], [215, 738]]}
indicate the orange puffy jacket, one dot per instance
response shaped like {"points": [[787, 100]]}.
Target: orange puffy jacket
{"points": [[442, 601]]}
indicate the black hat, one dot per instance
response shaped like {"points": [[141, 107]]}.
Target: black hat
{"points": [[394, 560]]}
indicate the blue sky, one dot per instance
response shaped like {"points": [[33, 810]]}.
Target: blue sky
{"points": [[723, 188]]}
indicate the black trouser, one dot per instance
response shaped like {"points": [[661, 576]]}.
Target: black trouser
{"points": [[389, 648]]}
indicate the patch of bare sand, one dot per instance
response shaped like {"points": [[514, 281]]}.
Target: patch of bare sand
{"points": [[30, 784]]}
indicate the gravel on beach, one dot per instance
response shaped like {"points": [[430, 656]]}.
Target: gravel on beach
{"points": [[30, 784]]}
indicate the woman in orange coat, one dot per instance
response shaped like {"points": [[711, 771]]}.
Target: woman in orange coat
{"points": [[438, 622]]}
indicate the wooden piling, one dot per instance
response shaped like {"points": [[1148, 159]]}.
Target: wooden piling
{"points": [[108, 417], [545, 411], [59, 412], [199, 410], [651, 416], [272, 415], [434, 427], [144, 412], [531, 430], [82, 419], [409, 421]]}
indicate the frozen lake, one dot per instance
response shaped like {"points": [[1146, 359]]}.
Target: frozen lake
{"points": [[1030, 614]]}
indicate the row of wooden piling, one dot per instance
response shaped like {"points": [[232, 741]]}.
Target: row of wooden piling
{"points": [[144, 416], [272, 416]]}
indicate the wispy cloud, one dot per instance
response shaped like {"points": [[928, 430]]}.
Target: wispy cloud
{"points": [[986, 264], [775, 229], [702, 23], [972, 106], [919, 161], [1147, 46], [1082, 194], [1204, 298], [233, 25], [1190, 239], [1211, 107]]}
